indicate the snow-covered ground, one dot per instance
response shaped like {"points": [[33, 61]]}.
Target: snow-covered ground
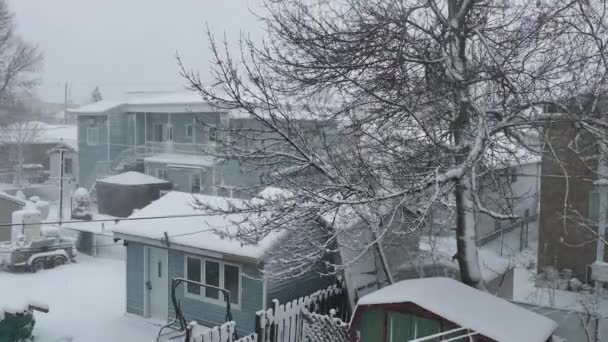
{"points": [[86, 301]]}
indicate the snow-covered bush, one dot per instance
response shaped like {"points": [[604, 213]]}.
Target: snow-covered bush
{"points": [[43, 208], [81, 205]]}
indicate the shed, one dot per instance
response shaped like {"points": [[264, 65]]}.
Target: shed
{"points": [[119, 195], [432, 308]]}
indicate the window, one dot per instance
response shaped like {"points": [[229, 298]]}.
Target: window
{"points": [[67, 166], [193, 269], [92, 136], [161, 173], [195, 183], [215, 273], [212, 277], [170, 132], [513, 172], [189, 131], [213, 134], [158, 131]]}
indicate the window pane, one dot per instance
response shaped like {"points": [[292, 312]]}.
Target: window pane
{"points": [[212, 277], [231, 282], [193, 273]]}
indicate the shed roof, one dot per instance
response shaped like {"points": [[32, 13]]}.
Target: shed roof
{"points": [[482, 312], [194, 231], [132, 178]]}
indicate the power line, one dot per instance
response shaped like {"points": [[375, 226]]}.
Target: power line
{"points": [[116, 220]]}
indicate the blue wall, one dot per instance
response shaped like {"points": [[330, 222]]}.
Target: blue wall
{"points": [[205, 313]]}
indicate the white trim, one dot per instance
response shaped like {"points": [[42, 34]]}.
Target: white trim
{"points": [[264, 293], [202, 296], [108, 142], [193, 126], [146, 296], [126, 279], [145, 128]]}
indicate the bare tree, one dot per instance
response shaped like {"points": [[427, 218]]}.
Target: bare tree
{"points": [[19, 62], [96, 95], [424, 97], [17, 137]]}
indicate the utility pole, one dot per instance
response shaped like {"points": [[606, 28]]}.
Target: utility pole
{"points": [[61, 188], [65, 104]]}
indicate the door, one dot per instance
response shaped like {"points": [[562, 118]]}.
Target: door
{"points": [[157, 283]]}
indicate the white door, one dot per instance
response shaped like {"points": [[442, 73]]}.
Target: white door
{"points": [[157, 283]]}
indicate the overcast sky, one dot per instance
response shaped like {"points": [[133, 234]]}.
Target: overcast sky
{"points": [[124, 45]]}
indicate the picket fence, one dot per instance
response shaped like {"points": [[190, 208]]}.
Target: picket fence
{"points": [[290, 322], [223, 333], [285, 322]]}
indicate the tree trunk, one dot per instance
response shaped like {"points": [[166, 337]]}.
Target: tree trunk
{"points": [[466, 254], [468, 260]]}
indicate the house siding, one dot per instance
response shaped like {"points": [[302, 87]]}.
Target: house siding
{"points": [[91, 158], [135, 278], [210, 314], [563, 243]]}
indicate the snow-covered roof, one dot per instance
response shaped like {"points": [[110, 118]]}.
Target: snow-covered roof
{"points": [[33, 132], [177, 160], [194, 231], [96, 107], [132, 178], [479, 311], [180, 102], [12, 198]]}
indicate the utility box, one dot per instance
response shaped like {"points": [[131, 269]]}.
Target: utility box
{"points": [[599, 271]]}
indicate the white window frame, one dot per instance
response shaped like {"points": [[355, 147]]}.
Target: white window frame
{"points": [[91, 142], [189, 130], [202, 296], [200, 184]]}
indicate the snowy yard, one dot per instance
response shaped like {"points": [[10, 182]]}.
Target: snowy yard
{"points": [[86, 302]]}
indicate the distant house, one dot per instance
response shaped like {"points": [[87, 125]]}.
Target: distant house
{"points": [[8, 205], [194, 251], [172, 136], [433, 309], [38, 144]]}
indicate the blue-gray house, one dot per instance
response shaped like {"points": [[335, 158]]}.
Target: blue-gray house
{"points": [[194, 251]]}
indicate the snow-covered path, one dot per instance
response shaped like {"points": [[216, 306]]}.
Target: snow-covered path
{"points": [[86, 302]]}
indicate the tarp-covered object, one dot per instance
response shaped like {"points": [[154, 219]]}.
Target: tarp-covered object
{"points": [[16, 326], [119, 195]]}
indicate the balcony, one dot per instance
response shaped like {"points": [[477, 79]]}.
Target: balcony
{"points": [[154, 147]]}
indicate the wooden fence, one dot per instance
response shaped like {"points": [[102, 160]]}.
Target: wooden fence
{"points": [[285, 322]]}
